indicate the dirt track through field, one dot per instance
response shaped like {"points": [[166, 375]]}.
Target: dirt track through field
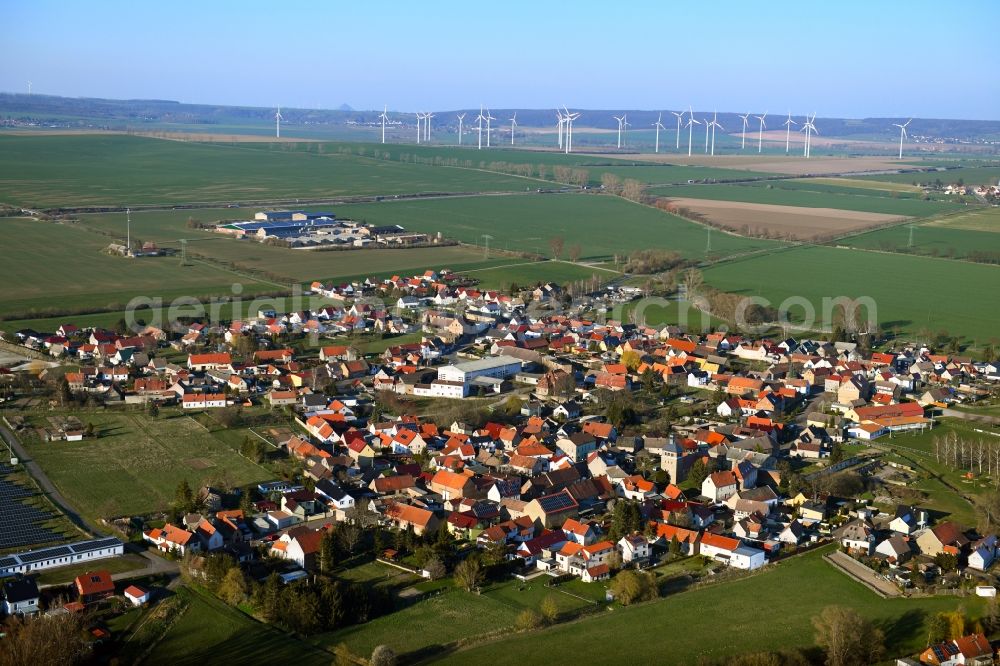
{"points": [[800, 222]]}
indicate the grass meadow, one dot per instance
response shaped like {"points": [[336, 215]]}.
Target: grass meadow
{"points": [[136, 463], [208, 628], [912, 293], [795, 590]]}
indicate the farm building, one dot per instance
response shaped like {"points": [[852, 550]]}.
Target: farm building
{"points": [[58, 556]]}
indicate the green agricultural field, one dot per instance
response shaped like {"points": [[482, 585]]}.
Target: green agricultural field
{"points": [[208, 626], [777, 194], [882, 186], [970, 175], [48, 265], [498, 156], [136, 463], [530, 274], [602, 225], [912, 293], [928, 239], [290, 265], [87, 170], [979, 219], [794, 590]]}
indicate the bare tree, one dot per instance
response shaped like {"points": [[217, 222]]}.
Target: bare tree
{"points": [[574, 252], [556, 244]]}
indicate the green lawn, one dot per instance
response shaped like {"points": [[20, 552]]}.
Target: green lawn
{"points": [[768, 611], [602, 225], [209, 630], [911, 293], [135, 465]]}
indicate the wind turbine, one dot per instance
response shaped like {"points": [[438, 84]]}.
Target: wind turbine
{"points": [[384, 116], [620, 119], [625, 126], [427, 126], [489, 117], [743, 142], [513, 124], [29, 87], [658, 125], [708, 127], [461, 117], [760, 132], [420, 117], [690, 125], [680, 116], [277, 123], [559, 127], [569, 118], [902, 134], [715, 124], [808, 127], [788, 130], [479, 127]]}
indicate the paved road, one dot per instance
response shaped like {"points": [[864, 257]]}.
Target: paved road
{"points": [[45, 484]]}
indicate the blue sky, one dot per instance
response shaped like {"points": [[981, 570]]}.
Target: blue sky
{"points": [[845, 58]]}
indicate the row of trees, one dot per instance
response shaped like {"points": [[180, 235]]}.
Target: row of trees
{"points": [[974, 455]]}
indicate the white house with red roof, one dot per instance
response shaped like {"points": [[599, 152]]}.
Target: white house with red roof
{"points": [[720, 486]]}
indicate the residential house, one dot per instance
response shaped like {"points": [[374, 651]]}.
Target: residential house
{"points": [[944, 537], [94, 585], [719, 486], [20, 596], [634, 548]]}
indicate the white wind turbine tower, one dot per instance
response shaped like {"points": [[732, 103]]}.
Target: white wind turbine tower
{"points": [[559, 127], [680, 116], [625, 126], [489, 117], [690, 125], [902, 134], [427, 126], [620, 119], [420, 117], [808, 127], [479, 127], [658, 125], [788, 130], [461, 117], [277, 123], [760, 132], [715, 124], [569, 118], [708, 127], [384, 116], [743, 142], [513, 124], [29, 87]]}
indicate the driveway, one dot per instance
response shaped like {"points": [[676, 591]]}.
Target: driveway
{"points": [[862, 574]]}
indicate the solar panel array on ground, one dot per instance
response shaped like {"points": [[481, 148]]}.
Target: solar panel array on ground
{"points": [[21, 524]]}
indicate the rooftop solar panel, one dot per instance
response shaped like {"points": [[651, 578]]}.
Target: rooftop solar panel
{"points": [[45, 554]]}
